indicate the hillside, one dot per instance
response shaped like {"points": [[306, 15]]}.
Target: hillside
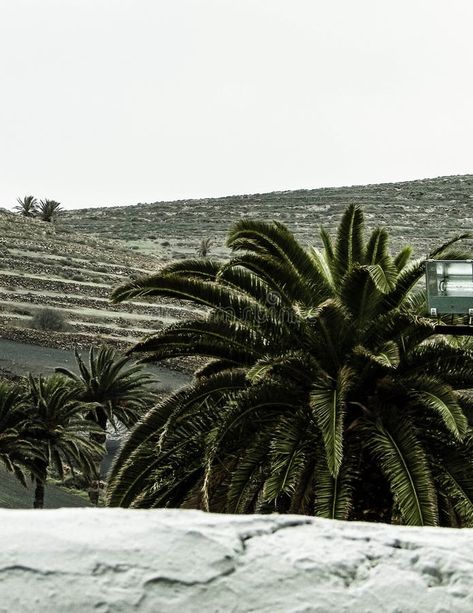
{"points": [[46, 265], [421, 213], [72, 265]]}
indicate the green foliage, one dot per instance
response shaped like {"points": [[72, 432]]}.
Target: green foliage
{"points": [[16, 450], [27, 206], [203, 249], [48, 210], [57, 421], [326, 392], [49, 424], [119, 387], [45, 210], [43, 427], [49, 319]]}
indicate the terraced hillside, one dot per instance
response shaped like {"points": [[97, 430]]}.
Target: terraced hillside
{"points": [[71, 266], [45, 265], [421, 213]]}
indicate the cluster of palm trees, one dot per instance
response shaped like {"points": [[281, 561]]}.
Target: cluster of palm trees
{"points": [[45, 210], [327, 391], [49, 423]]}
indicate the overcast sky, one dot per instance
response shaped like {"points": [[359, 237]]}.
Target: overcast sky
{"points": [[122, 101]]}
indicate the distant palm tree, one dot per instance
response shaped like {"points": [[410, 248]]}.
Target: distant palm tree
{"points": [[327, 392], [203, 249], [49, 209], [57, 425], [27, 206]]}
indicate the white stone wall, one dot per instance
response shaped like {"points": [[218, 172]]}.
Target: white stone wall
{"points": [[112, 560]]}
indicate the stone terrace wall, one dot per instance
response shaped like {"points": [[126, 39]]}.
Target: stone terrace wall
{"points": [[185, 561]]}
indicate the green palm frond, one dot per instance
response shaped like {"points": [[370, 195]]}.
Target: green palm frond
{"points": [[334, 495], [17, 452], [331, 332], [297, 365], [406, 280], [407, 330], [287, 457], [455, 473], [196, 268], [323, 265], [275, 241], [415, 302], [362, 290], [385, 360], [257, 405], [403, 257], [465, 400], [216, 339], [239, 277], [349, 246], [140, 453], [439, 355], [327, 402], [377, 248], [248, 477], [439, 252], [394, 446], [209, 294], [440, 398], [272, 275], [213, 367]]}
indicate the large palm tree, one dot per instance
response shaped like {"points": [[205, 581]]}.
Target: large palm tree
{"points": [[57, 425], [327, 391], [27, 206]]}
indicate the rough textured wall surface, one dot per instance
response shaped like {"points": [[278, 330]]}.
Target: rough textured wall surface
{"points": [[187, 561]]}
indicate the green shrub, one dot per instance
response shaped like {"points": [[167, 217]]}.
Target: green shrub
{"points": [[49, 319]]}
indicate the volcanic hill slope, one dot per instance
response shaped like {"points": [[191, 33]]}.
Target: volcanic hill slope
{"points": [[421, 213], [72, 265], [50, 265]]}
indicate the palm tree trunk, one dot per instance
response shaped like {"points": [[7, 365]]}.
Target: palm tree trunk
{"points": [[94, 491], [100, 418], [39, 494]]}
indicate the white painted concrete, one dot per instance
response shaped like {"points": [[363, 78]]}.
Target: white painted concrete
{"points": [[113, 560]]}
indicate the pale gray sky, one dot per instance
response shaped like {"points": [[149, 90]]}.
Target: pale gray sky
{"points": [[123, 101]]}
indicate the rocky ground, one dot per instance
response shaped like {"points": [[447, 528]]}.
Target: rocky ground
{"points": [[51, 265], [421, 213]]}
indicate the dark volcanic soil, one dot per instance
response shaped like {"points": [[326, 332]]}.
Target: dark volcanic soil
{"points": [[20, 358]]}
